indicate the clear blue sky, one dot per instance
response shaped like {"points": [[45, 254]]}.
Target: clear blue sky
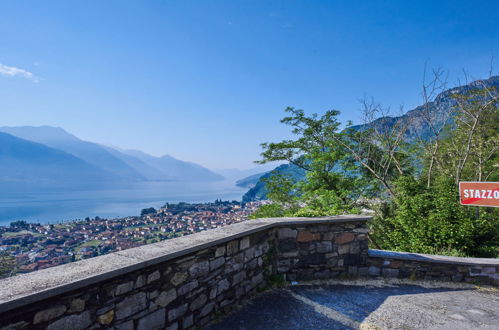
{"points": [[207, 81]]}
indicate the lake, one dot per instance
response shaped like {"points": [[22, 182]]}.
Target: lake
{"points": [[55, 204]]}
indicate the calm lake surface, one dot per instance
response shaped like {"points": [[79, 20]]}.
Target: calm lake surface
{"points": [[51, 205]]}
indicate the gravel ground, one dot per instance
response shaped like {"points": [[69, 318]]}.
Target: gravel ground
{"points": [[375, 304]]}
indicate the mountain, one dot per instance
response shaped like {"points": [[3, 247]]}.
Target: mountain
{"points": [[149, 172], [437, 109], [168, 168], [92, 153], [238, 174], [249, 181], [30, 162], [259, 191], [127, 165]]}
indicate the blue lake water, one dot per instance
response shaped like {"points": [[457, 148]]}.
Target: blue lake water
{"points": [[63, 204]]}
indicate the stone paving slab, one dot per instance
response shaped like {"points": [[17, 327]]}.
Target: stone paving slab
{"points": [[370, 305]]}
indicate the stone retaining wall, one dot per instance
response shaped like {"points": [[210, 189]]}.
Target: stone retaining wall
{"points": [[433, 267], [184, 282]]}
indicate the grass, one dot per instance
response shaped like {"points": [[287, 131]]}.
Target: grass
{"points": [[94, 243], [19, 233]]}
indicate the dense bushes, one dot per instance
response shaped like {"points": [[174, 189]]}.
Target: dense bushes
{"points": [[430, 220]]}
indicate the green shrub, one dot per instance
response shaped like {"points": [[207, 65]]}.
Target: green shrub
{"points": [[430, 220]]}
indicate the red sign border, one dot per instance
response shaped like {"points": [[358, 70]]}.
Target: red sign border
{"points": [[460, 200]]}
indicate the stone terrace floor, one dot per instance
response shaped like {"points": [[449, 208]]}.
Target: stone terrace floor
{"points": [[369, 305]]}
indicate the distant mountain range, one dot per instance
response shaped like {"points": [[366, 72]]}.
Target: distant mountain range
{"points": [[50, 154], [26, 161], [169, 168], [437, 108]]}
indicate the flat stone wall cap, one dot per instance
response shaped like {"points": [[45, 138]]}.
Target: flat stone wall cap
{"points": [[24, 289], [433, 258], [331, 219]]}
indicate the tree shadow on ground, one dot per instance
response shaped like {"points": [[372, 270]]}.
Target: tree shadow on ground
{"points": [[315, 307]]}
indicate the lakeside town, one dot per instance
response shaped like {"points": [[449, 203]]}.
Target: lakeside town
{"points": [[33, 247]]}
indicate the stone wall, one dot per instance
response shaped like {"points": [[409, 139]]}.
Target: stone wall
{"points": [[185, 282], [432, 267], [322, 252]]}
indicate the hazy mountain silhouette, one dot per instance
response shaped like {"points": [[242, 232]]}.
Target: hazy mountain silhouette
{"points": [[147, 171], [169, 168], [126, 165], [92, 153], [30, 162], [249, 181], [241, 174]]}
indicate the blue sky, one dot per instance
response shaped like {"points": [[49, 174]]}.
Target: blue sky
{"points": [[207, 81]]}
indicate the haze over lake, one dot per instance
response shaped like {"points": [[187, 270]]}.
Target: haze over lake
{"points": [[55, 204]]}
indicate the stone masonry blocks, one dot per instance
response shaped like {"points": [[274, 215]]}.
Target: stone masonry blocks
{"points": [[189, 291]]}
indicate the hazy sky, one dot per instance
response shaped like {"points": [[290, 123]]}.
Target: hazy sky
{"points": [[207, 81]]}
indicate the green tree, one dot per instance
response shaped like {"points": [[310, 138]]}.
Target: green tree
{"points": [[20, 224], [331, 184], [149, 210], [7, 264], [469, 151], [378, 148]]}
